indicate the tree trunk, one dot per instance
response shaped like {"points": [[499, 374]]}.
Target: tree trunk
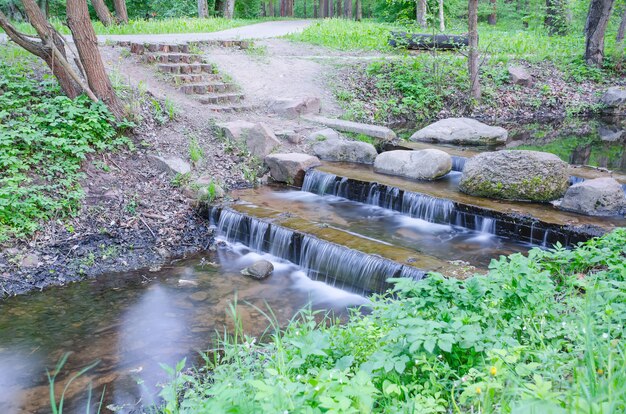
{"points": [[622, 28], [47, 51], [347, 9], [442, 23], [492, 19], [87, 46], [595, 28], [556, 20], [358, 12], [473, 49], [228, 8], [420, 13], [203, 8], [270, 8], [102, 11], [120, 11]]}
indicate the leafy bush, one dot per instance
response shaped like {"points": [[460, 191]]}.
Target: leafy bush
{"points": [[44, 137], [541, 334]]}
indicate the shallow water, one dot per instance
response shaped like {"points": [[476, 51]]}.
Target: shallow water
{"points": [[132, 322]]}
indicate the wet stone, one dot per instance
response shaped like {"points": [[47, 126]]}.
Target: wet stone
{"points": [[259, 270], [199, 296]]}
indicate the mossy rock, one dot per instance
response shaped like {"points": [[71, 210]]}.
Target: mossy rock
{"points": [[516, 175]]}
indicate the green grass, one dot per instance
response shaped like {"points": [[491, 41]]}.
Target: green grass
{"points": [[161, 26], [44, 137], [346, 34], [542, 333]]}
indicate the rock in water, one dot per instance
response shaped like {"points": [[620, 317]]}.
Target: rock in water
{"points": [[328, 145], [465, 131], [290, 168], [516, 175], [428, 164], [597, 197], [259, 270]]}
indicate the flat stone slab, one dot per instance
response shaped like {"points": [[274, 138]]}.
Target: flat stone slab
{"points": [[170, 165], [374, 131]]}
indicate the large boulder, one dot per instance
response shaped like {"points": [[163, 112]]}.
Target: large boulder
{"points": [[258, 138], [294, 107], [597, 197], [290, 168], [465, 131], [614, 99], [428, 164], [259, 270], [520, 76], [328, 145], [516, 175]]}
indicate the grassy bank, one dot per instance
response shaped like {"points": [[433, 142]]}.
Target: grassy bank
{"points": [[160, 26], [537, 334], [44, 137]]}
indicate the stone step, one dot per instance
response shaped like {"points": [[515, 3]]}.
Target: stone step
{"points": [[172, 58], [241, 44], [230, 108], [195, 78], [207, 87], [375, 131], [220, 98], [186, 68], [142, 48]]}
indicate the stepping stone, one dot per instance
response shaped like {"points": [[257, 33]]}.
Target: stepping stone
{"points": [[221, 98], [186, 68], [374, 131], [172, 58], [205, 88]]}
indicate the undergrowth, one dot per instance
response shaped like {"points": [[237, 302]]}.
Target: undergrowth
{"points": [[542, 333], [44, 137]]}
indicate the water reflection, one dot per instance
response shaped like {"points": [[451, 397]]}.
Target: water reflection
{"points": [[132, 322]]}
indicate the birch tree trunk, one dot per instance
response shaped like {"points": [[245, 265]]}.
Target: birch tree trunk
{"points": [[420, 13], [442, 23], [203, 9], [473, 49]]}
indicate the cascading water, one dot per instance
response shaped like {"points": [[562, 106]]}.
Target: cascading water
{"points": [[334, 264], [431, 209], [458, 163]]}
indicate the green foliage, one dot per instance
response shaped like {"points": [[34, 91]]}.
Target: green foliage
{"points": [[195, 151], [44, 137], [346, 34], [58, 409], [542, 333]]}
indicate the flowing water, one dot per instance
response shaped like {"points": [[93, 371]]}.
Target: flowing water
{"points": [[132, 322]]}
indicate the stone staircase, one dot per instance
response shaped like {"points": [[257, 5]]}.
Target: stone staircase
{"points": [[188, 72]]}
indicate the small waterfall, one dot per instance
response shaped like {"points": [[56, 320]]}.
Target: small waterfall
{"points": [[320, 183], [334, 264], [575, 180], [486, 225], [458, 163], [434, 210]]}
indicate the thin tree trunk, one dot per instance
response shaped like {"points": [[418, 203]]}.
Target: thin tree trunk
{"points": [[229, 8], [283, 7], [120, 11], [203, 8], [347, 9], [492, 19], [595, 28], [442, 23], [556, 19], [270, 8], [315, 9], [358, 12], [473, 49], [622, 28], [102, 11], [420, 13], [87, 46], [45, 49]]}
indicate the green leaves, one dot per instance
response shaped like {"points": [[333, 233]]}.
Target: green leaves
{"points": [[44, 136]]}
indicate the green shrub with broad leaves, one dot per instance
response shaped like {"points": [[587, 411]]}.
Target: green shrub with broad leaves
{"points": [[542, 333], [44, 137]]}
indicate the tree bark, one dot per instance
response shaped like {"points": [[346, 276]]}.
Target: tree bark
{"points": [[358, 12], [420, 13], [270, 8], [45, 49], [102, 11], [203, 8], [442, 23], [492, 19], [228, 8], [473, 49], [556, 20], [347, 9], [622, 28], [120, 11], [595, 28], [87, 46]]}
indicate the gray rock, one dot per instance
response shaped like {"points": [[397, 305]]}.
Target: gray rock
{"points": [[290, 168], [170, 165], [614, 98], [374, 131], [461, 131], [258, 138], [328, 145], [516, 175], [428, 164], [30, 260], [597, 197], [259, 270], [323, 135], [520, 76], [294, 107], [611, 133], [199, 296], [204, 189]]}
